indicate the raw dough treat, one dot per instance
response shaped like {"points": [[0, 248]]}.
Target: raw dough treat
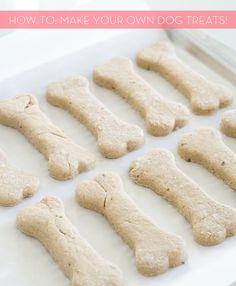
{"points": [[47, 222], [228, 123], [115, 137], [161, 116], [155, 250], [211, 222], [205, 147], [65, 158], [205, 96], [15, 185]]}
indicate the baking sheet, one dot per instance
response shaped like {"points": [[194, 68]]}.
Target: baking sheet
{"points": [[25, 262]]}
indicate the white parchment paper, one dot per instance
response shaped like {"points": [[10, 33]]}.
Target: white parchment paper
{"points": [[25, 262]]}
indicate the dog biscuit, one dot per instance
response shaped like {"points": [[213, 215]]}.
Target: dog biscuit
{"points": [[155, 250], [161, 116], [115, 137], [47, 222], [15, 185], [205, 147], [205, 96], [228, 123], [211, 222], [65, 158]]}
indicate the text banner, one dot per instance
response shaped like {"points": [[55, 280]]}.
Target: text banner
{"points": [[117, 19]]}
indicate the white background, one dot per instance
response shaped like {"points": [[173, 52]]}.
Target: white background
{"points": [[23, 50]]}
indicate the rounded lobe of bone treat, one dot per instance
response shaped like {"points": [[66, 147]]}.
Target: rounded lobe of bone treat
{"points": [[15, 185], [161, 116], [155, 250], [65, 158], [65, 164], [205, 96], [47, 222], [205, 147], [228, 123], [114, 136], [211, 221]]}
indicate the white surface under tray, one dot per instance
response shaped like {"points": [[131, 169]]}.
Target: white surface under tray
{"points": [[25, 262]]}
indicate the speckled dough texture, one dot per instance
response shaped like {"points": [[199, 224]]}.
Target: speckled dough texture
{"points": [[65, 158], [161, 116], [228, 123], [205, 96], [205, 147], [155, 250], [211, 222], [114, 136], [47, 222], [15, 185]]}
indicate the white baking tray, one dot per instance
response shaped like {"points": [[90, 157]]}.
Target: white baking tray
{"points": [[25, 262]]}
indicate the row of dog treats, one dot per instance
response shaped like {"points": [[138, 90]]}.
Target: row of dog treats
{"points": [[155, 250], [115, 137]]}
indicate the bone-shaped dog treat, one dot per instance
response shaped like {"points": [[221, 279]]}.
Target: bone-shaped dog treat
{"points": [[205, 147], [161, 116], [205, 96], [228, 123], [211, 222], [65, 158], [15, 185], [115, 137], [47, 222], [155, 250]]}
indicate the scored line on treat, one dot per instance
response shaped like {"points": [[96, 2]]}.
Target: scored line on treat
{"points": [[65, 158], [155, 250]]}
